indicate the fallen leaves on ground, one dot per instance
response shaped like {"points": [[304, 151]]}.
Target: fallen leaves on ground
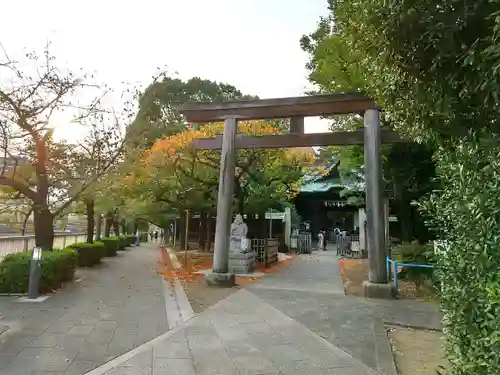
{"points": [[355, 271], [172, 273], [197, 262]]}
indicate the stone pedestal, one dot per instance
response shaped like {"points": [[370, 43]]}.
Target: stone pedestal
{"points": [[226, 280], [379, 290], [241, 261]]}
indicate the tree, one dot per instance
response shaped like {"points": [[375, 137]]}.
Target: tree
{"points": [[95, 156], [432, 66], [408, 167], [263, 176], [174, 176], [158, 116], [33, 93]]}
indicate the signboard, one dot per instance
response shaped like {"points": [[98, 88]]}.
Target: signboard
{"points": [[334, 203]]}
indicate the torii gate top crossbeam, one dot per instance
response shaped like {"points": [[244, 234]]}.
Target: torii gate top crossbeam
{"points": [[303, 106]]}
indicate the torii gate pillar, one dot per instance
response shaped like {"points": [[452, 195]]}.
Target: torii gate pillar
{"points": [[220, 275], [376, 286]]}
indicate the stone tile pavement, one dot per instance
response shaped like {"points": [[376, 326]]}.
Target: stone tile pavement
{"points": [[112, 309], [241, 335], [310, 290]]}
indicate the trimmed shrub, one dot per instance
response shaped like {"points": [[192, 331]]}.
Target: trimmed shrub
{"points": [[130, 239], [89, 254], [123, 241], [57, 267], [111, 245]]}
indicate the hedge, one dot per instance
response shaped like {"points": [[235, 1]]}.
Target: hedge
{"points": [[57, 267], [111, 244], [131, 239], [89, 254], [123, 242]]}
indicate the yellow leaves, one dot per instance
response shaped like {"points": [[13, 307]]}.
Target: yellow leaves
{"points": [[184, 139]]}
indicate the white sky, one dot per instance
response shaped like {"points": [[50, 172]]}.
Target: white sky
{"points": [[251, 44]]}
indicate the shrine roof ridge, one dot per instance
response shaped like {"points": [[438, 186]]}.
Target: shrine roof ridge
{"points": [[301, 106]]}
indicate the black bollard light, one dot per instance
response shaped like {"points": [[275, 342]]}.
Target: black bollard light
{"points": [[35, 273]]}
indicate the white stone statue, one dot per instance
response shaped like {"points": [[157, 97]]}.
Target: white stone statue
{"points": [[238, 227]]}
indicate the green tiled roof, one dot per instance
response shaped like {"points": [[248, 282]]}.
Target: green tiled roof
{"points": [[321, 186]]}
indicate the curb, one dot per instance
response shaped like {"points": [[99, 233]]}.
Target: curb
{"points": [[177, 304]]}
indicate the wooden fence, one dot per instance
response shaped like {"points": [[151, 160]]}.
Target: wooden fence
{"points": [[266, 249], [16, 244]]}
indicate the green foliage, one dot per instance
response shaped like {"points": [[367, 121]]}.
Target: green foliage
{"points": [[335, 66], [158, 117], [123, 242], [465, 213], [432, 66], [89, 254], [57, 267], [130, 239], [416, 253], [111, 245]]}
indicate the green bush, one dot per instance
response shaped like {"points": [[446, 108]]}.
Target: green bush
{"points": [[89, 254], [465, 214], [111, 244], [415, 253], [123, 242], [130, 239], [57, 267]]}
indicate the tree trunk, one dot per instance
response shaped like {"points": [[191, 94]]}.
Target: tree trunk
{"points": [[25, 222], [202, 240], [108, 224], [262, 225], [182, 234], [44, 227], [123, 224], [208, 233], [116, 227], [241, 205], [90, 205], [98, 227]]}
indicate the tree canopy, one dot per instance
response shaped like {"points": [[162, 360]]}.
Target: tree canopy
{"points": [[175, 174], [433, 67], [48, 173], [158, 116]]}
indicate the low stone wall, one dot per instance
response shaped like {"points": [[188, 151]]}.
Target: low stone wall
{"points": [[17, 244]]}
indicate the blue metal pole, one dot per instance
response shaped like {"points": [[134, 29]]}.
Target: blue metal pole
{"points": [[396, 283]]}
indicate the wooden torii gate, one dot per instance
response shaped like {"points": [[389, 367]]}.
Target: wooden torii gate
{"points": [[296, 109]]}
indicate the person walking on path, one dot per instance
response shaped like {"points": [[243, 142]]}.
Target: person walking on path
{"points": [[321, 240], [137, 238]]}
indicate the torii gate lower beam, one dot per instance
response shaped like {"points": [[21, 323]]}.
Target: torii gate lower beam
{"points": [[296, 108]]}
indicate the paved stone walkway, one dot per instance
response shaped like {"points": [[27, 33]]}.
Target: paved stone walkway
{"points": [[310, 290], [241, 335], [297, 321], [114, 308]]}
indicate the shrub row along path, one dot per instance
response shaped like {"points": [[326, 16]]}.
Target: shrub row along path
{"points": [[110, 309]]}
